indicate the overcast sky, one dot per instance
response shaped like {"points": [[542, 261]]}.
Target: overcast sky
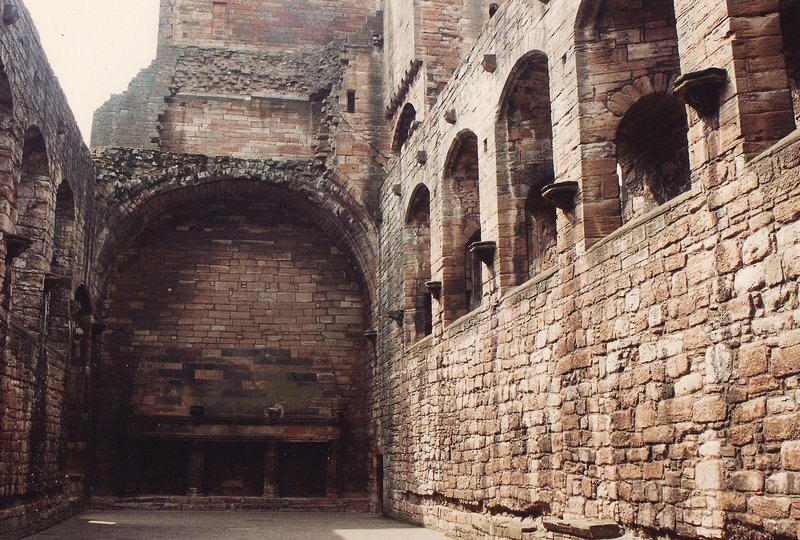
{"points": [[95, 47]]}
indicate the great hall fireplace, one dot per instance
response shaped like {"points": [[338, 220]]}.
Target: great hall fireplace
{"points": [[232, 362]]}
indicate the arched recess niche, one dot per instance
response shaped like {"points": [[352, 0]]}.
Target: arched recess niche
{"points": [[279, 270], [403, 129], [525, 165], [35, 207], [417, 240], [461, 226], [9, 147], [636, 47]]}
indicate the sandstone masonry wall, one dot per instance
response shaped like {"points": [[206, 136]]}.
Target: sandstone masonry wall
{"points": [[46, 194], [250, 310], [648, 378]]}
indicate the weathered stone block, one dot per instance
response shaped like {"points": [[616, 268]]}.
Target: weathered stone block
{"points": [[710, 409], [747, 480], [790, 455], [769, 507], [708, 475]]}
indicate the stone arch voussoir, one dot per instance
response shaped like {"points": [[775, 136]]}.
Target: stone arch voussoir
{"points": [[153, 182]]}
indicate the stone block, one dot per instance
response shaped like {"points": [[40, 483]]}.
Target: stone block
{"points": [[790, 455], [710, 409], [689, 384], [708, 475], [782, 427], [756, 247], [752, 360], [750, 278], [769, 507], [747, 480]]}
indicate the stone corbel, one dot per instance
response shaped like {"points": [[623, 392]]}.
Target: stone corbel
{"points": [[396, 315], [700, 89], [16, 245], [484, 251], [561, 194]]}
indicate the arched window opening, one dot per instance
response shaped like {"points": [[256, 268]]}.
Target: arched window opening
{"points": [[625, 51], [473, 283], [418, 263], [790, 28], [403, 129], [525, 165], [652, 154], [34, 209], [540, 233], [461, 226], [61, 269], [8, 144]]}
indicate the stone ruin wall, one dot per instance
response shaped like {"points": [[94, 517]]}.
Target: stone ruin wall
{"points": [[650, 376], [214, 97], [46, 194], [266, 25]]}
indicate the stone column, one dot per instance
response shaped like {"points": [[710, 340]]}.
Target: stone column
{"points": [[196, 458], [332, 482], [271, 470]]}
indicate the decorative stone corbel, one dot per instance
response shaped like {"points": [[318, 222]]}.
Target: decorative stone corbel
{"points": [[435, 288], [700, 89], [561, 194], [484, 251]]}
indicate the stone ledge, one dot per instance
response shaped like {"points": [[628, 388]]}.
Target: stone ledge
{"points": [[584, 528]]}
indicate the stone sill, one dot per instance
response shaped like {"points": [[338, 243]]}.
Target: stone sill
{"points": [[639, 221], [531, 283], [778, 147], [343, 503]]}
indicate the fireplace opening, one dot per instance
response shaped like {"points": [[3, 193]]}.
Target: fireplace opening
{"points": [[160, 467], [234, 469], [303, 469]]}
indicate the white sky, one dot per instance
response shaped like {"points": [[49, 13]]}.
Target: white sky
{"points": [[95, 47]]}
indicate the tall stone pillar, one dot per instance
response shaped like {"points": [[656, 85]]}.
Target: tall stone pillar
{"points": [[332, 481], [196, 459], [271, 470]]}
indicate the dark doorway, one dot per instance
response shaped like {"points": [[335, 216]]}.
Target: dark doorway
{"points": [[161, 467], [302, 469], [234, 469]]}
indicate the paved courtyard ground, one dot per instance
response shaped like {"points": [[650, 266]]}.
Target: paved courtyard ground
{"points": [[231, 525]]}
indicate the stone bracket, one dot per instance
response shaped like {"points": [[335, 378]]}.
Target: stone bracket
{"points": [[561, 194], [484, 251], [700, 89], [16, 245]]}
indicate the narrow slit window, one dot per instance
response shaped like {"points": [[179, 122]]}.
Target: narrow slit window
{"points": [[351, 101]]}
